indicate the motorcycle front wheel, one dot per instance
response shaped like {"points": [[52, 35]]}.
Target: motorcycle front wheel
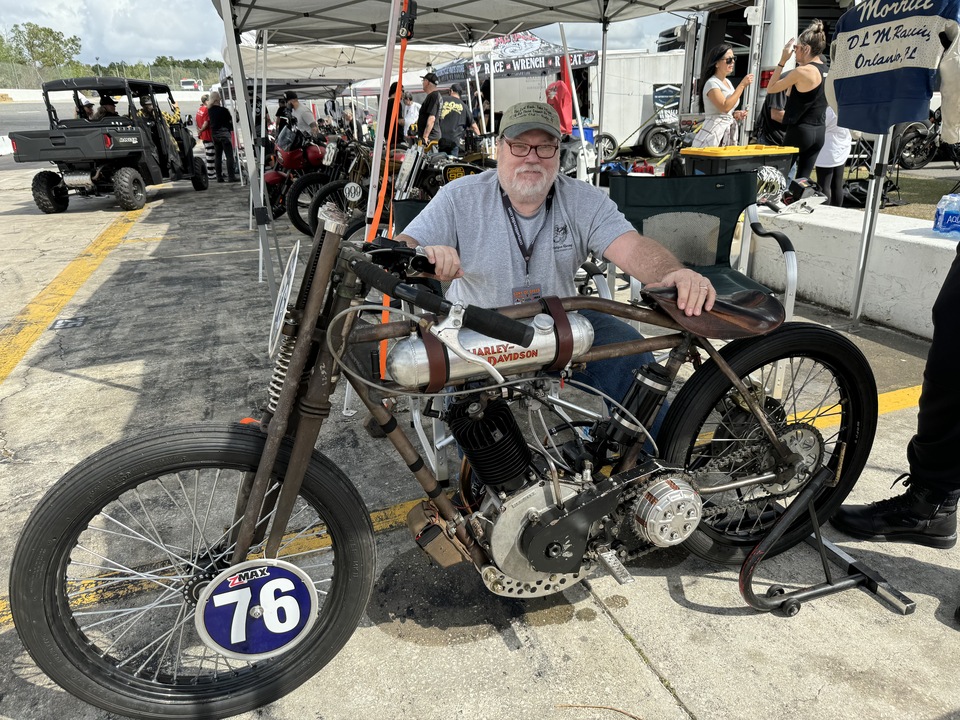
{"points": [[817, 391], [300, 196], [105, 575], [335, 192]]}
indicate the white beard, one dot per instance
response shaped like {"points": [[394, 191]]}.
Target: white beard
{"points": [[528, 184]]}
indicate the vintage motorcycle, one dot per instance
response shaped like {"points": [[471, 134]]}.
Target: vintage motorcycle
{"points": [[206, 570], [297, 157]]}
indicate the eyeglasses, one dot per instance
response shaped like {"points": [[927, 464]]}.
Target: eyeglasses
{"points": [[521, 149], [729, 61]]}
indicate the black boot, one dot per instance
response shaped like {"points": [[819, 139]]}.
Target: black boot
{"points": [[921, 516]]}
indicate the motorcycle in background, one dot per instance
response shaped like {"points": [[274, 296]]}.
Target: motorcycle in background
{"points": [[296, 155]]}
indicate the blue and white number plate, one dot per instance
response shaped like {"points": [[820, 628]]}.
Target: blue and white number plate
{"points": [[257, 609]]}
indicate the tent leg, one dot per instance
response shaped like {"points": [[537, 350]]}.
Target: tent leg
{"points": [[260, 213], [878, 176]]}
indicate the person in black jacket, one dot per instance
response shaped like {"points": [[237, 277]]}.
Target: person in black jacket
{"points": [[221, 123]]}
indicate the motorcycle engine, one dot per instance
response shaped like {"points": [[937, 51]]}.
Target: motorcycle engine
{"points": [[539, 543]]}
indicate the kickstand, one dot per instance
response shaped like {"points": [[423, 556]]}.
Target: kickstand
{"points": [[857, 575]]}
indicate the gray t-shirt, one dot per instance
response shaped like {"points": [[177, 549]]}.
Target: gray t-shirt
{"points": [[304, 116], [469, 215]]}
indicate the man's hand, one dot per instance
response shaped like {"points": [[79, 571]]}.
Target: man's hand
{"points": [[445, 259], [694, 291]]}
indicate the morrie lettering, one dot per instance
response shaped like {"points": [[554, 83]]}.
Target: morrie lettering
{"points": [[877, 10]]}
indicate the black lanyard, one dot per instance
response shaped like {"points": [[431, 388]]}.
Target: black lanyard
{"points": [[526, 252]]}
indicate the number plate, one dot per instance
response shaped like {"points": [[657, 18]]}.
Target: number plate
{"points": [[257, 609], [353, 192]]}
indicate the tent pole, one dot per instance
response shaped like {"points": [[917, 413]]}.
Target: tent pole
{"points": [[878, 176], [576, 101], [263, 119], [476, 79], [260, 213], [390, 49], [603, 85]]}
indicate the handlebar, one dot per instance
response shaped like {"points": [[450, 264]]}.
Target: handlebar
{"points": [[484, 321]]}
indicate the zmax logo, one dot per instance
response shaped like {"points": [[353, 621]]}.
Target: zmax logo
{"points": [[244, 577]]}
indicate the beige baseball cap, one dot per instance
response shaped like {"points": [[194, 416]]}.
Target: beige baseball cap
{"points": [[520, 118]]}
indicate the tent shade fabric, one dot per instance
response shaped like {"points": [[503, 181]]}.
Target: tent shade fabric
{"points": [[365, 22]]}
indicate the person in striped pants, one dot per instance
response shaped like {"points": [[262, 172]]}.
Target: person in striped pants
{"points": [[206, 135]]}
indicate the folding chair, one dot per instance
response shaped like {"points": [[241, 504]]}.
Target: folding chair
{"points": [[696, 216]]}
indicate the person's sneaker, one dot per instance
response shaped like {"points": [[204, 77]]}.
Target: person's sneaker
{"points": [[233, 179], [919, 516], [220, 179]]}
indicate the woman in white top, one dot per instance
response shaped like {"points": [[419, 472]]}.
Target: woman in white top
{"points": [[720, 98], [832, 159]]}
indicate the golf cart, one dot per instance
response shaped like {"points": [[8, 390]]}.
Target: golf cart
{"points": [[143, 142]]}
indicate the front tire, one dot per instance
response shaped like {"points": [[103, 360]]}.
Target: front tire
{"points": [[335, 192], [49, 192], [826, 404], [300, 197], [103, 575], [129, 188]]}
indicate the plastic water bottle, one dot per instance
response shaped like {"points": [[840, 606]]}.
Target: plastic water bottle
{"points": [[947, 218]]}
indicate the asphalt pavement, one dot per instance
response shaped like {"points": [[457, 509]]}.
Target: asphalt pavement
{"points": [[115, 323]]}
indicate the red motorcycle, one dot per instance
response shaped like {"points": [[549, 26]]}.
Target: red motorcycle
{"points": [[297, 157]]}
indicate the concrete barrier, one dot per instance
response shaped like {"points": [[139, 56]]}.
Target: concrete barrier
{"points": [[906, 268]]}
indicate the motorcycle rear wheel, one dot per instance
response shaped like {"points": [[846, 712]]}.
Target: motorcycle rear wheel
{"points": [[827, 406], [103, 574], [916, 150]]}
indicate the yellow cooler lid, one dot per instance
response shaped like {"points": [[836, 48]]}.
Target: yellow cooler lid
{"points": [[739, 151]]}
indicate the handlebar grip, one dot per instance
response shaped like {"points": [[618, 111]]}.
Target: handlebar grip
{"points": [[375, 276], [492, 323]]}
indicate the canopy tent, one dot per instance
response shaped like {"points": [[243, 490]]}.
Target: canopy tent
{"points": [[309, 88], [516, 55]]}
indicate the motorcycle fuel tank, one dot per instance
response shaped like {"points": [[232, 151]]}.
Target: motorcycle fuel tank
{"points": [[408, 364]]}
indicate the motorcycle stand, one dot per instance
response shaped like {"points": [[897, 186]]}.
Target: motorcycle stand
{"points": [[857, 575]]}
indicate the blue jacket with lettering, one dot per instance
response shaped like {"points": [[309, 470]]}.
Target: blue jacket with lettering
{"points": [[883, 60]]}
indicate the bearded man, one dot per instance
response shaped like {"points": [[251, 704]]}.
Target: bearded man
{"points": [[521, 231]]}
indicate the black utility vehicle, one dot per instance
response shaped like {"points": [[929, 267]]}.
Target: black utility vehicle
{"points": [[142, 143]]}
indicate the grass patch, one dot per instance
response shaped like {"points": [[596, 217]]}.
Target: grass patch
{"points": [[919, 195]]}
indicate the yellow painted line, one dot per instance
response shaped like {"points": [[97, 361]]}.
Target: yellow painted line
{"points": [[25, 329]]}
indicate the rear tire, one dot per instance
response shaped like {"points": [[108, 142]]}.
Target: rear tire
{"points": [[129, 188], [49, 192], [104, 575], [916, 150], [200, 179], [827, 407]]}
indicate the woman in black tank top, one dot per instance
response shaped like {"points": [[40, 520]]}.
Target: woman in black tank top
{"points": [[805, 111]]}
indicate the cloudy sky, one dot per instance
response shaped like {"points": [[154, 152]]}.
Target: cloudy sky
{"points": [[134, 30]]}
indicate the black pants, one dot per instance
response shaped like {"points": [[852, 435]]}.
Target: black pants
{"points": [[223, 145], [934, 452], [809, 138], [830, 181]]}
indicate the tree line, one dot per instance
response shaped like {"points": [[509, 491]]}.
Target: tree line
{"points": [[49, 54]]}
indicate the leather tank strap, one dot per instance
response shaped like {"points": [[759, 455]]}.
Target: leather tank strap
{"points": [[564, 334]]}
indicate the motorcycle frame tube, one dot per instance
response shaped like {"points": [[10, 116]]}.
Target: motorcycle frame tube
{"points": [[277, 428]]}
